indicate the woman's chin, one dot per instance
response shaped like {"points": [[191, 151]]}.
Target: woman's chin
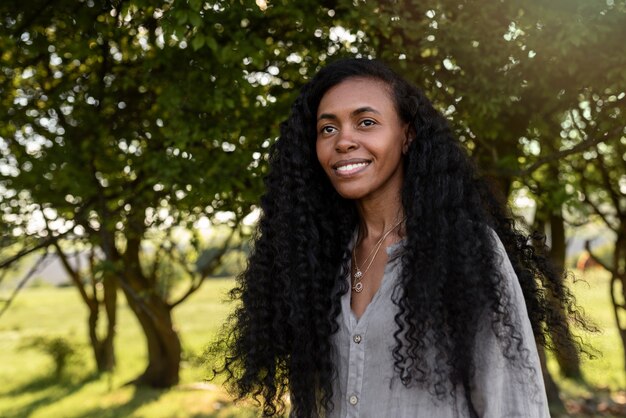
{"points": [[350, 194]]}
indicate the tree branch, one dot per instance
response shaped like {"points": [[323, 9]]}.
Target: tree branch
{"points": [[596, 259], [22, 283], [91, 258], [212, 265], [42, 244], [608, 184], [583, 145], [3, 274], [596, 208], [154, 270], [71, 272]]}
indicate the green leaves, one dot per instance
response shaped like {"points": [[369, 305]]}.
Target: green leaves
{"points": [[197, 42], [152, 100]]}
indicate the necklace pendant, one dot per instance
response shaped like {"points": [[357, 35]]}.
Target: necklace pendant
{"points": [[358, 287], [357, 274]]}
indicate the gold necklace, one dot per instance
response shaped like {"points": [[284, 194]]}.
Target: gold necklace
{"points": [[357, 283]]}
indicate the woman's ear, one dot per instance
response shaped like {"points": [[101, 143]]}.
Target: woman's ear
{"points": [[409, 136]]}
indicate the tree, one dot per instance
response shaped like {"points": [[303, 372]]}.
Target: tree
{"points": [[122, 121]]}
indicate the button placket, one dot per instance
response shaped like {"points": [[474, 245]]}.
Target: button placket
{"points": [[353, 400]]}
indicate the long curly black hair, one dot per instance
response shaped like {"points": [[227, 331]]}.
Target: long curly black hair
{"points": [[278, 340]]}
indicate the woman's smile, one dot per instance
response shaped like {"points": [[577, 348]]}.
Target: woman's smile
{"points": [[349, 168]]}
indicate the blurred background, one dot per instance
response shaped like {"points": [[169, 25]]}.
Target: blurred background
{"points": [[133, 143]]}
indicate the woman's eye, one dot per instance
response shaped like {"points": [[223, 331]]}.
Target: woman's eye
{"points": [[327, 129], [368, 122]]}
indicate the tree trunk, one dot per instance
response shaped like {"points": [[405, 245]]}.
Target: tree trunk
{"points": [[103, 348], [164, 348], [566, 352], [617, 307], [154, 315], [618, 286]]}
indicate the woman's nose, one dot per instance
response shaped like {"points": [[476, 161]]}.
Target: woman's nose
{"points": [[346, 142]]}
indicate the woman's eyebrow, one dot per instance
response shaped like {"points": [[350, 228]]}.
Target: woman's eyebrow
{"points": [[355, 112], [364, 109], [327, 116]]}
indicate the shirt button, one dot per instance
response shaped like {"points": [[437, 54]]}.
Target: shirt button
{"points": [[357, 339], [353, 400]]}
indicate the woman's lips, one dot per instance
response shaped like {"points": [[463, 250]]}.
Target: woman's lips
{"points": [[349, 168]]}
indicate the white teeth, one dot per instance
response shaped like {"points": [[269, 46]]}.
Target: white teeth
{"points": [[351, 166]]}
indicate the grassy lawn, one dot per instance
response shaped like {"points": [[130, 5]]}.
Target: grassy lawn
{"points": [[28, 387]]}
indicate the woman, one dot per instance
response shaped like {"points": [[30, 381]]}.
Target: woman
{"points": [[386, 278]]}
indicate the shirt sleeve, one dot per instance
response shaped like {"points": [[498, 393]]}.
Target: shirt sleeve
{"points": [[501, 389]]}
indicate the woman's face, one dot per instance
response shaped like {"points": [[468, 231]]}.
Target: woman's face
{"points": [[360, 139]]}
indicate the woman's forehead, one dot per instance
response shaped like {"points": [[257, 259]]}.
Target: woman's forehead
{"points": [[356, 92]]}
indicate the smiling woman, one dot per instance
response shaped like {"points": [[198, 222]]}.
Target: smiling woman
{"points": [[387, 278]]}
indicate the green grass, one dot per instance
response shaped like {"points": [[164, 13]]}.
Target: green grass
{"points": [[606, 371], [28, 388]]}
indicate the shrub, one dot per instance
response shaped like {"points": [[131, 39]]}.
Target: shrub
{"points": [[62, 351]]}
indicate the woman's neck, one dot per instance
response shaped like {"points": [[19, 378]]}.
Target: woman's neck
{"points": [[378, 217]]}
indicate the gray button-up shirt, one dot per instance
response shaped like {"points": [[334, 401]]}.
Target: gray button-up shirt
{"points": [[368, 386]]}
